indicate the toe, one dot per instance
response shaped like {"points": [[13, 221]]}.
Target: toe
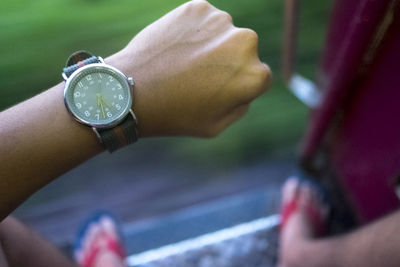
{"points": [[90, 235], [108, 226], [289, 190]]}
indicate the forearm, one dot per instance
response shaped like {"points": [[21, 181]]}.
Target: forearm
{"points": [[40, 141], [194, 85], [377, 244]]}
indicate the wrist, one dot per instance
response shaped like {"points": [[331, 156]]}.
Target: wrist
{"points": [[121, 61], [98, 95]]}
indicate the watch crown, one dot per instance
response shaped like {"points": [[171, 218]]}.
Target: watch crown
{"points": [[131, 81]]}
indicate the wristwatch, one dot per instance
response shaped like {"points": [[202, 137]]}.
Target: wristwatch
{"points": [[99, 96]]}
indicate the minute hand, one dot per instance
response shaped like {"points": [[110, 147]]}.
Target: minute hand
{"points": [[102, 108]]}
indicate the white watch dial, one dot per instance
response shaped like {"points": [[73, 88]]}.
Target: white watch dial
{"points": [[98, 96]]}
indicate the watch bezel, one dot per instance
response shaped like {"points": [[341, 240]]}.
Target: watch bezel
{"points": [[81, 72]]}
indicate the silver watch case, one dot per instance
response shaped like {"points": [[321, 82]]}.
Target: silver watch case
{"points": [[125, 81]]}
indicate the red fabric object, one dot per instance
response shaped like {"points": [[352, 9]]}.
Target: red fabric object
{"points": [[366, 151], [357, 120]]}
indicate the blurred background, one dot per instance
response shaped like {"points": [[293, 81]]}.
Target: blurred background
{"points": [[161, 175]]}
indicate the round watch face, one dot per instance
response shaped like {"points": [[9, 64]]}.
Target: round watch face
{"points": [[98, 95]]}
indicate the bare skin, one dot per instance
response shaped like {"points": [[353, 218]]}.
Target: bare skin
{"points": [[195, 74], [376, 244], [23, 247], [97, 235]]}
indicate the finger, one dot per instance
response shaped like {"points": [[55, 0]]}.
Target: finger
{"points": [[234, 115], [262, 79], [218, 21], [246, 43], [250, 41], [226, 120], [290, 190], [267, 76], [201, 6], [224, 16], [253, 84]]}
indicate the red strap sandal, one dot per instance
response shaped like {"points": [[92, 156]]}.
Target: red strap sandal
{"points": [[315, 217], [103, 241], [109, 244]]}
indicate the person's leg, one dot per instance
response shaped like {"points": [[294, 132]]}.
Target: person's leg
{"points": [[377, 244], [3, 260], [23, 247]]}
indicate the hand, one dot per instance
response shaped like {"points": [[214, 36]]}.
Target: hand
{"points": [[195, 73]]}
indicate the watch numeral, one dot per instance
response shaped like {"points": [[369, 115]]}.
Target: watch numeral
{"points": [[120, 97], [77, 94], [87, 113], [117, 106], [97, 116], [78, 105], [89, 77], [109, 114], [80, 84]]}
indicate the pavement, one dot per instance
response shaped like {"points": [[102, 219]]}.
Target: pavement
{"points": [[141, 187]]}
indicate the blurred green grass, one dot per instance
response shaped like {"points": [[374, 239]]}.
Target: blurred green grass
{"points": [[37, 36]]}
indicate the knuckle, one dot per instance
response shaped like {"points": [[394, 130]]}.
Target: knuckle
{"points": [[226, 16], [200, 4], [259, 81], [248, 40], [267, 76], [220, 18], [263, 78], [250, 34]]}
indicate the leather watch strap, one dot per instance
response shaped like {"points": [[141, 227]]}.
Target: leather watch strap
{"points": [[120, 135]]}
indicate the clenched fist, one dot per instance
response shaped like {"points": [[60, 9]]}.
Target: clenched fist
{"points": [[195, 72]]}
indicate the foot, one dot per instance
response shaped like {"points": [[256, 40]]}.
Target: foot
{"points": [[303, 219], [100, 244]]}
